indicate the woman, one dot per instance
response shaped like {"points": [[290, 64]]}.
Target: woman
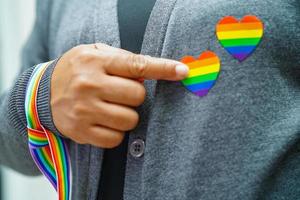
{"points": [[240, 141]]}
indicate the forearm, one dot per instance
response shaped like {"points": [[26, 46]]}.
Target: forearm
{"points": [[14, 151]]}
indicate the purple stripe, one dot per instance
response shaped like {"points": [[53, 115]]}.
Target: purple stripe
{"points": [[35, 157], [240, 56], [201, 93], [44, 170]]}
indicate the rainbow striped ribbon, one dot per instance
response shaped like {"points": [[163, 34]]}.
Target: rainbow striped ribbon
{"points": [[49, 151]]}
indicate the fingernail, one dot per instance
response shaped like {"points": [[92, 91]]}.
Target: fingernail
{"points": [[182, 70]]}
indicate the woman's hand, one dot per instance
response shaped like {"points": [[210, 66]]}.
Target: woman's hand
{"points": [[94, 90]]}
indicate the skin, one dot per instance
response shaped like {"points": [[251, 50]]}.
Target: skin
{"points": [[94, 91]]}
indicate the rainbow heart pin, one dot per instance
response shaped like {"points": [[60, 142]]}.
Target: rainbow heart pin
{"points": [[240, 38], [203, 72]]}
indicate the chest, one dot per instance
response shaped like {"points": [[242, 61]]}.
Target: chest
{"points": [[191, 27], [247, 117]]}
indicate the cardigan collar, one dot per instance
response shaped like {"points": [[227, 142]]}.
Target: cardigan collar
{"points": [[106, 18]]}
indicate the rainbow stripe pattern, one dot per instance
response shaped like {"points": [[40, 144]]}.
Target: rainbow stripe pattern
{"points": [[48, 150], [240, 38], [203, 72]]}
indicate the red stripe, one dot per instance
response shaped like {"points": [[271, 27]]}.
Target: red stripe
{"points": [[34, 104], [207, 55], [250, 19], [228, 20], [36, 133]]}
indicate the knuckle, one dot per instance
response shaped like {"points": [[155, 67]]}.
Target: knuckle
{"points": [[75, 133], [102, 86], [76, 122], [81, 83], [106, 59], [104, 56], [85, 56], [82, 54], [78, 110], [138, 65]]}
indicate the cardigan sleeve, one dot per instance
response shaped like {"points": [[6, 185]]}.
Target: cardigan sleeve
{"points": [[14, 151]]}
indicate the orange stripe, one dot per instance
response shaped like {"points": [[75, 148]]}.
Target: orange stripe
{"points": [[36, 133], [33, 107], [47, 150], [239, 26], [187, 59], [47, 154], [205, 62], [34, 96]]}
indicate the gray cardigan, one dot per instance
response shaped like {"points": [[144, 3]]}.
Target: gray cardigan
{"points": [[241, 141]]}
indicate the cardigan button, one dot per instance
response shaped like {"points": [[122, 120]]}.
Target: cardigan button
{"points": [[137, 148]]}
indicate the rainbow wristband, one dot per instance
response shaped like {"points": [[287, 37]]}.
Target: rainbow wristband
{"points": [[49, 151]]}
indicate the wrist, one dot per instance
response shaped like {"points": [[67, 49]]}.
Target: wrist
{"points": [[44, 99]]}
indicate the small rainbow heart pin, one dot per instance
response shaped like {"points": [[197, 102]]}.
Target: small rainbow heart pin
{"points": [[240, 38], [203, 72]]}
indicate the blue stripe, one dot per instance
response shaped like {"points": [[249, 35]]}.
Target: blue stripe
{"points": [[44, 167], [49, 171], [200, 86], [37, 145], [242, 49]]}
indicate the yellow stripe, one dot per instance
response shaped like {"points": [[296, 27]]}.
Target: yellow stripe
{"points": [[204, 70], [38, 138], [239, 34]]}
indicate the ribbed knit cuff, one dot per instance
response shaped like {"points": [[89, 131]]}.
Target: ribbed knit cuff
{"points": [[43, 99], [16, 108]]}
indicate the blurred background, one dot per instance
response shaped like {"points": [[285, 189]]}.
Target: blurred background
{"points": [[16, 20]]}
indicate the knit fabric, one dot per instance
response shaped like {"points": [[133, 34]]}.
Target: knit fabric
{"points": [[241, 141]]}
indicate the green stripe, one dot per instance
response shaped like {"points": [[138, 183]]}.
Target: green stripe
{"points": [[201, 78], [63, 159], [240, 42], [37, 142], [30, 122]]}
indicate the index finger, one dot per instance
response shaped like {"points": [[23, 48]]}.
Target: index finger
{"points": [[146, 67]]}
